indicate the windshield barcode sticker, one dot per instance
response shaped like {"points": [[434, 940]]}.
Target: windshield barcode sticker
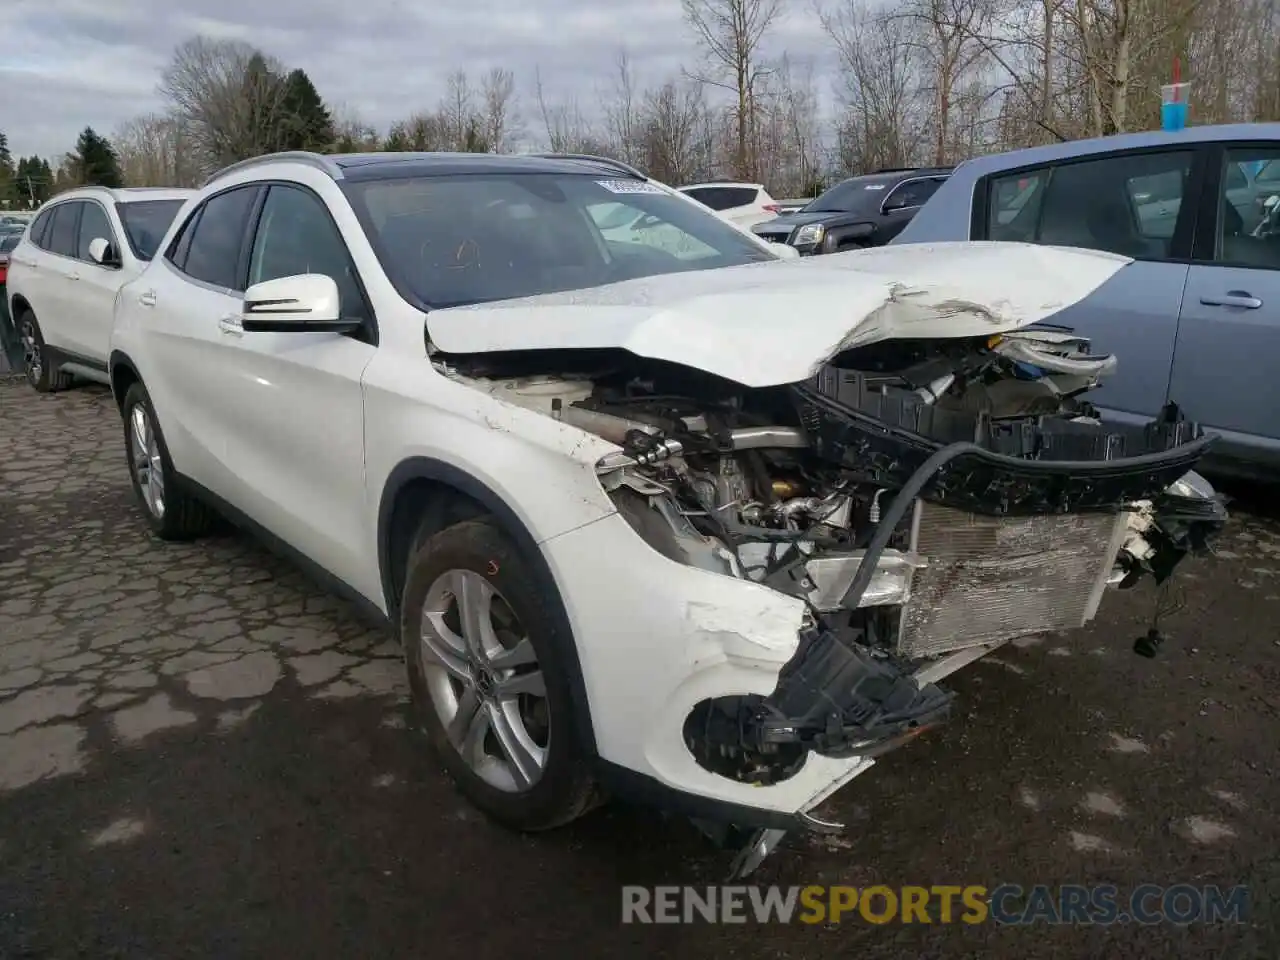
{"points": [[629, 186]]}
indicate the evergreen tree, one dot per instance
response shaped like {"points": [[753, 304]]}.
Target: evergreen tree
{"points": [[95, 160], [305, 120], [33, 181], [8, 186]]}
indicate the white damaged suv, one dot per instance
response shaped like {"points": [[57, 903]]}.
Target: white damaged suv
{"points": [[698, 527]]}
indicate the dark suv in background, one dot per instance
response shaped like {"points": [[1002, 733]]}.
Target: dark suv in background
{"points": [[864, 211]]}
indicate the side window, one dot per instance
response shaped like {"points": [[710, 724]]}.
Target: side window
{"points": [[912, 193], [93, 224], [216, 239], [62, 235], [40, 227], [1013, 210], [1126, 204], [180, 246], [724, 198], [297, 235], [1248, 230]]}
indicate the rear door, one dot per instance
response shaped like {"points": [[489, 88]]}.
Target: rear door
{"points": [[1226, 371], [1141, 204], [186, 300]]}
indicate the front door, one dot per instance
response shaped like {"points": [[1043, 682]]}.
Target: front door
{"points": [[1226, 372], [291, 405]]}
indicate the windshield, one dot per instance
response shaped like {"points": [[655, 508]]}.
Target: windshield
{"points": [[145, 223], [9, 240], [859, 195], [454, 240]]}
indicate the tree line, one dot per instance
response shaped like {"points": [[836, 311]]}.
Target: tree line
{"points": [[917, 82]]}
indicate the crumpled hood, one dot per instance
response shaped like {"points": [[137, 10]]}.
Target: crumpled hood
{"points": [[775, 323]]}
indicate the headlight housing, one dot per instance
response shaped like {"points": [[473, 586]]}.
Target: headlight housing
{"points": [[809, 233]]}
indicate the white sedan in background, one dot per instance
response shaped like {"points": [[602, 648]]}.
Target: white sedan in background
{"points": [[745, 204], [63, 276]]}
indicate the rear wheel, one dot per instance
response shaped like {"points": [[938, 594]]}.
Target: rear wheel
{"points": [[171, 512], [488, 690], [36, 364]]}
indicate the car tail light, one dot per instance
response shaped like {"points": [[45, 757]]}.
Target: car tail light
{"points": [[773, 208]]}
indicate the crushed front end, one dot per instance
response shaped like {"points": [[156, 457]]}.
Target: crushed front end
{"points": [[928, 501]]}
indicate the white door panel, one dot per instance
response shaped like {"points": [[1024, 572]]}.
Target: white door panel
{"points": [[291, 420]]}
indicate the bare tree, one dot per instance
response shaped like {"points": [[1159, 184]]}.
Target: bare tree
{"points": [[498, 92], [155, 151], [227, 95], [947, 32], [882, 124], [622, 113], [731, 33], [673, 150], [567, 129]]}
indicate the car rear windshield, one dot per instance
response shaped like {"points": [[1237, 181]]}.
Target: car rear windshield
{"points": [[9, 240], [723, 198], [145, 223], [455, 240], [859, 195]]}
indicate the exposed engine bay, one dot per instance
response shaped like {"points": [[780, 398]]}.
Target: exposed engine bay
{"points": [[924, 498]]}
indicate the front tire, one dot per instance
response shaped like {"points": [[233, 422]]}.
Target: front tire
{"points": [[489, 693], [36, 364], [171, 512]]}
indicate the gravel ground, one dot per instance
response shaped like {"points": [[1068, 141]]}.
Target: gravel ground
{"points": [[203, 755]]}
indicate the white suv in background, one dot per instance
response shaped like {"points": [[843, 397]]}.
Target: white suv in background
{"points": [[745, 204], [81, 248]]}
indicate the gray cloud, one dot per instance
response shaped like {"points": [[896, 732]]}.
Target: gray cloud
{"points": [[73, 63]]}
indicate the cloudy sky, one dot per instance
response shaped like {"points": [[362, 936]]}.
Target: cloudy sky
{"points": [[67, 64]]}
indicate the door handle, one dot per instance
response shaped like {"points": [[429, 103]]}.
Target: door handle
{"points": [[147, 299], [232, 325], [1233, 298], [73, 276]]}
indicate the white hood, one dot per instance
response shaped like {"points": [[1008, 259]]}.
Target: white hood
{"points": [[774, 323]]}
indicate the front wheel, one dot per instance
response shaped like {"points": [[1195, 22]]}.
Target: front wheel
{"points": [[488, 691], [171, 512]]}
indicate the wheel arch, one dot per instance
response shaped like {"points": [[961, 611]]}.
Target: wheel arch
{"points": [[123, 373], [425, 490], [18, 305]]}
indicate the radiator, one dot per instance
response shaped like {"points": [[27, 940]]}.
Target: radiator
{"points": [[989, 579]]}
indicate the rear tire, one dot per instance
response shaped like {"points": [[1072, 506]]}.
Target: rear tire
{"points": [[489, 694], [39, 370], [170, 511]]}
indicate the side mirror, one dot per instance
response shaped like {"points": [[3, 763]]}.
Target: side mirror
{"points": [[305, 303], [102, 253]]}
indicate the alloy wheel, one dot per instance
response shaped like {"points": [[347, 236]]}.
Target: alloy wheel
{"points": [[32, 351], [484, 680], [147, 467]]}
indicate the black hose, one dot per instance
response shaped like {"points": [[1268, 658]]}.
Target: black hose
{"points": [[897, 510]]}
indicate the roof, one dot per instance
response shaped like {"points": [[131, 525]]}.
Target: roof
{"points": [[359, 167], [722, 183], [897, 176], [1032, 156], [123, 194]]}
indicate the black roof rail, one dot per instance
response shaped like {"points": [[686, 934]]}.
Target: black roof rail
{"points": [[946, 169], [591, 158]]}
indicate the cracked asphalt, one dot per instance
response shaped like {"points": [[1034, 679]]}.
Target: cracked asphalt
{"points": [[202, 755]]}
